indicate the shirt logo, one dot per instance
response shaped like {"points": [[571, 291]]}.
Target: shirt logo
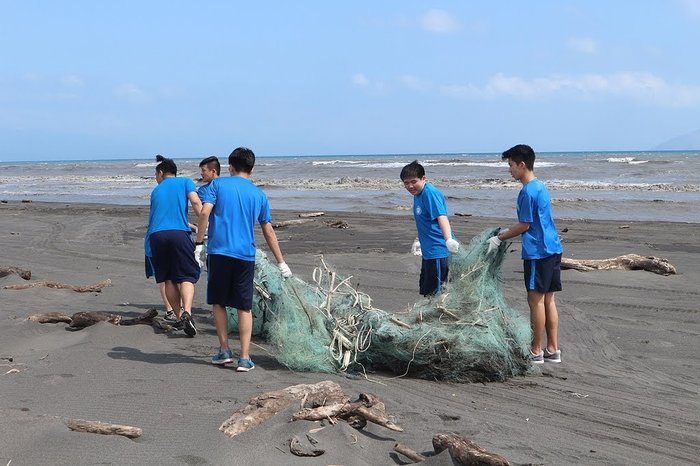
{"points": [[418, 210]]}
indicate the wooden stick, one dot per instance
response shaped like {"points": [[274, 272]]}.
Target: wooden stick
{"points": [[50, 318], [97, 287], [627, 262], [311, 214], [97, 427], [408, 453]]}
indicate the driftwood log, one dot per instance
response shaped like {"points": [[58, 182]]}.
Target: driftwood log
{"points": [[97, 427], [465, 452], [97, 287], [86, 319], [367, 408], [627, 262], [311, 214], [409, 453], [262, 407], [23, 273], [294, 221], [321, 401]]}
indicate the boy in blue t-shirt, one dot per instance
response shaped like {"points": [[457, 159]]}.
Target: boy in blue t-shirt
{"points": [[541, 252], [434, 231], [232, 207], [209, 169]]}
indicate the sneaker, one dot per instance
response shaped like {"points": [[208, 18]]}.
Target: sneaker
{"points": [[245, 365], [222, 357], [170, 317], [552, 357], [537, 358], [188, 324]]}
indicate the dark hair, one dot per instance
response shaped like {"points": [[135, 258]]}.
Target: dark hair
{"points": [[521, 153], [212, 163], [166, 165], [242, 159], [412, 170]]}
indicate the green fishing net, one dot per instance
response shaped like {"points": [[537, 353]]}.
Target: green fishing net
{"points": [[466, 334]]}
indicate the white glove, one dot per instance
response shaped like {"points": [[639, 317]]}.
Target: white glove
{"points": [[415, 248], [198, 252], [494, 243], [284, 270], [452, 245]]}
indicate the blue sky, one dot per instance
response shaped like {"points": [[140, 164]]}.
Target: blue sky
{"points": [[128, 79]]}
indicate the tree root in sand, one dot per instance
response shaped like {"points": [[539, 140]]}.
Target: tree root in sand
{"points": [[24, 273], [97, 287], [627, 262], [86, 319], [97, 427]]}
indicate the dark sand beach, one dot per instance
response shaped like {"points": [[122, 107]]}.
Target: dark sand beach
{"points": [[626, 392]]}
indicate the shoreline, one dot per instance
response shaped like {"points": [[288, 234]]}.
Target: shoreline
{"points": [[625, 392]]}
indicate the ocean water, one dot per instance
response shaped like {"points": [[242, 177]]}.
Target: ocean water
{"points": [[583, 185]]}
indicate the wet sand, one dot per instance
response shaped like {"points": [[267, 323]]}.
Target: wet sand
{"points": [[625, 393]]}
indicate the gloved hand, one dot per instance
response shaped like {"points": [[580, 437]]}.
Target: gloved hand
{"points": [[494, 243], [198, 252], [284, 270], [452, 245]]}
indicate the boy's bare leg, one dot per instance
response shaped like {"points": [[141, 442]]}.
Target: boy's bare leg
{"points": [[221, 324], [551, 322], [187, 295], [172, 291], [535, 300], [245, 331], [164, 297]]}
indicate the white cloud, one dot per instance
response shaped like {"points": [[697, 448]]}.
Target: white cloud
{"points": [[360, 80], [438, 21], [641, 86], [72, 80], [582, 45], [132, 93], [414, 82]]}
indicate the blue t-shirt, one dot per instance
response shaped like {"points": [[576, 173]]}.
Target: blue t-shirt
{"points": [[534, 207], [203, 190], [168, 207], [427, 207], [238, 204]]}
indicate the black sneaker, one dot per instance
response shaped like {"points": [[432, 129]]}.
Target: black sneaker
{"points": [[188, 324], [170, 317]]}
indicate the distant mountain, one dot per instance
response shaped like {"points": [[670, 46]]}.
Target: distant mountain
{"points": [[690, 141]]}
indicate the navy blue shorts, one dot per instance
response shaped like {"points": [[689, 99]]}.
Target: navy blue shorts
{"points": [[173, 257], [543, 275], [230, 282], [433, 276]]}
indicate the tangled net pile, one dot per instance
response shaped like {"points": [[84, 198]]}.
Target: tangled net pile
{"points": [[466, 334]]}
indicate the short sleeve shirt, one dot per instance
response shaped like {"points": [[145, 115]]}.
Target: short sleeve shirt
{"points": [[169, 207], [238, 205], [427, 207], [534, 207]]}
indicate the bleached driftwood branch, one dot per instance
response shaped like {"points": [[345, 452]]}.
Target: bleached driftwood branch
{"points": [[97, 427], [626, 262], [97, 287], [262, 407]]}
